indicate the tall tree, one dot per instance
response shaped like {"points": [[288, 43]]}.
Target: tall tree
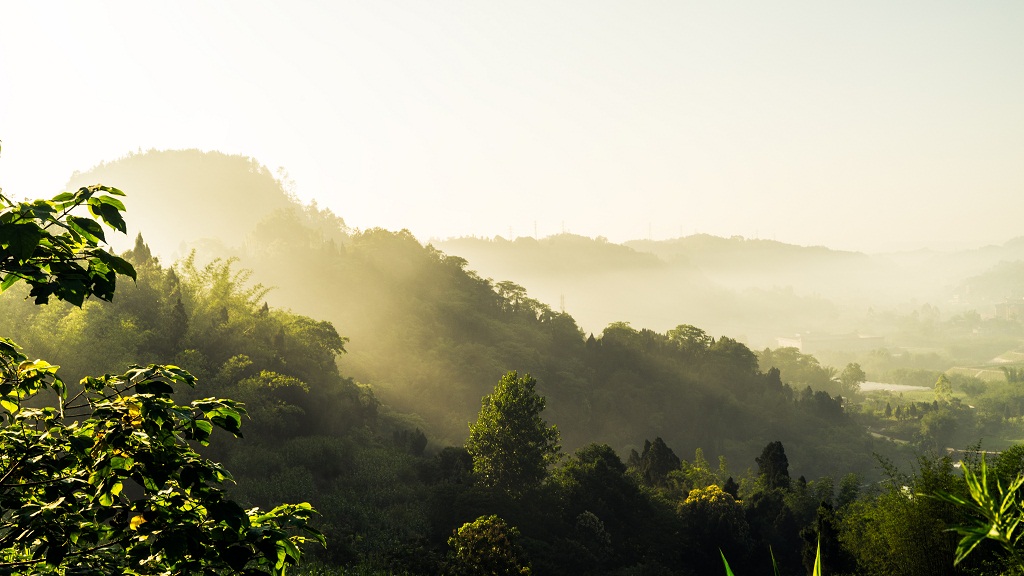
{"points": [[773, 466], [943, 389], [851, 379], [510, 442], [656, 461]]}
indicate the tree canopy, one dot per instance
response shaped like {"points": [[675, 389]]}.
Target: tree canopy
{"points": [[510, 442], [107, 480]]}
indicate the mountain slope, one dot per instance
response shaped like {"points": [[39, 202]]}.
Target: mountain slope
{"points": [[433, 337]]}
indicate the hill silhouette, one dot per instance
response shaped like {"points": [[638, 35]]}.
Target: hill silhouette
{"points": [[431, 336]]}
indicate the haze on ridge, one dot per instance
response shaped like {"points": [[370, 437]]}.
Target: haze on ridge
{"points": [[866, 127]]}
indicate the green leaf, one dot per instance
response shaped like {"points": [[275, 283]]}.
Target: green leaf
{"points": [[110, 213], [291, 550], [8, 281], [20, 240], [82, 442], [155, 387], [817, 560], [226, 418], [88, 228], [106, 498], [201, 429], [113, 202], [110, 190], [117, 264], [728, 571]]}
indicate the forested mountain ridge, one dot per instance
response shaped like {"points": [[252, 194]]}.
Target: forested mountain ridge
{"points": [[431, 337], [429, 328], [756, 289], [602, 282]]}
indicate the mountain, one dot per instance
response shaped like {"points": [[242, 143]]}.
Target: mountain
{"points": [[756, 289], [432, 337], [192, 182]]}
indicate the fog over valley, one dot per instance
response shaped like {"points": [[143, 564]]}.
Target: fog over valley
{"points": [[448, 288]]}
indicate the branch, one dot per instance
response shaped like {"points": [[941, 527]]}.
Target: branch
{"points": [[36, 483], [79, 553], [21, 460]]}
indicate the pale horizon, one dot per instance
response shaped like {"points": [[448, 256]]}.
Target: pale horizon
{"points": [[871, 127]]}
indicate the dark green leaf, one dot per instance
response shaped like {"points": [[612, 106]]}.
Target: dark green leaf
{"points": [[88, 228], [154, 387], [20, 240]]}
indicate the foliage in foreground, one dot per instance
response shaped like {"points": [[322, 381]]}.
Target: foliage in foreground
{"points": [[815, 571], [996, 514], [107, 481]]}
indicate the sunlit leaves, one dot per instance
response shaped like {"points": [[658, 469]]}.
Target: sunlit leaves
{"points": [[136, 521], [488, 545], [23, 378], [59, 253], [510, 442], [133, 440], [997, 512], [109, 209], [108, 482]]}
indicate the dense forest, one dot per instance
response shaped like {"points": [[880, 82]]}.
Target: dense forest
{"points": [[442, 422]]}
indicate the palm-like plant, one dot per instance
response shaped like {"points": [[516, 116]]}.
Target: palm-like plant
{"points": [[997, 513]]}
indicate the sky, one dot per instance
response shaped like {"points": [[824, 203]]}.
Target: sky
{"points": [[869, 125]]}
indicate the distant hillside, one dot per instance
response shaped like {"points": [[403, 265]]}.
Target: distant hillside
{"points": [[598, 282], [1001, 284], [715, 252], [753, 288], [178, 197], [559, 254], [720, 284], [432, 336]]}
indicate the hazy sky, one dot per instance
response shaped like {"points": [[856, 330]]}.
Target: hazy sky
{"points": [[857, 125]]}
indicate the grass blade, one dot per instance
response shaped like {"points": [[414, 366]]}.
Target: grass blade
{"points": [[817, 559], [728, 571]]}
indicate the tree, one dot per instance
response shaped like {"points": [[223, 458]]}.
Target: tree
{"points": [[773, 466], [595, 480], [510, 442], [107, 481], [943, 389], [690, 339], [141, 252], [656, 462], [487, 546], [851, 379], [899, 532], [798, 370], [734, 355], [714, 521], [1014, 374]]}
